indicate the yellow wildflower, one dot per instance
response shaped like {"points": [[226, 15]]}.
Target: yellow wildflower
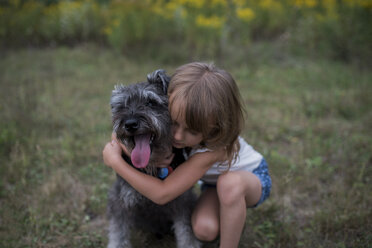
{"points": [[329, 4], [349, 2], [245, 14], [305, 3], [171, 6], [366, 3], [107, 30], [363, 3], [271, 5], [266, 4], [209, 22], [158, 10], [310, 3], [169, 9]]}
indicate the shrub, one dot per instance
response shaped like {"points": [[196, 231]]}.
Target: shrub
{"points": [[338, 29]]}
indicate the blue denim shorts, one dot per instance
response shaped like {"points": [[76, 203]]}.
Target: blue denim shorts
{"points": [[262, 172]]}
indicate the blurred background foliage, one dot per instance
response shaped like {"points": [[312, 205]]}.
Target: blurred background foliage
{"points": [[303, 69], [339, 29]]}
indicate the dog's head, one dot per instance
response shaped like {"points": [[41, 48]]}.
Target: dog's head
{"points": [[141, 118]]}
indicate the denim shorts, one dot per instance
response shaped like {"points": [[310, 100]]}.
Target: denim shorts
{"points": [[262, 172]]}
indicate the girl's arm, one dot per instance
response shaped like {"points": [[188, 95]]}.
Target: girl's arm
{"points": [[160, 191]]}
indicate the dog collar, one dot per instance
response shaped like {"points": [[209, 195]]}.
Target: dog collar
{"points": [[164, 172]]}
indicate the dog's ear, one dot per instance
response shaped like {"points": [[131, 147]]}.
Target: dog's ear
{"points": [[159, 77], [117, 95]]}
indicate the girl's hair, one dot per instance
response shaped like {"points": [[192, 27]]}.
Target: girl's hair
{"points": [[212, 105]]}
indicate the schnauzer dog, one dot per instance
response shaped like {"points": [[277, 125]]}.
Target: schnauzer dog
{"points": [[142, 123]]}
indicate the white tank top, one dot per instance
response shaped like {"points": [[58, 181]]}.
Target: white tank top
{"points": [[247, 160]]}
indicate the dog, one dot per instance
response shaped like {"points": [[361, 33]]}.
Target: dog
{"points": [[142, 123]]}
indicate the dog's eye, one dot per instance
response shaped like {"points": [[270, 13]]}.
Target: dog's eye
{"points": [[151, 103]]}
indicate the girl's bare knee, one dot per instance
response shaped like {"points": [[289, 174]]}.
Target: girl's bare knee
{"points": [[230, 189], [205, 229]]}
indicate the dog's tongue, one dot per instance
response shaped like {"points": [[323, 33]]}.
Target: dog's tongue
{"points": [[141, 153]]}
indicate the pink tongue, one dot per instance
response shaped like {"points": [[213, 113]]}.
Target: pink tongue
{"points": [[141, 153]]}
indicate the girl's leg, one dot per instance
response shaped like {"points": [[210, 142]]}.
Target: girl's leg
{"points": [[205, 217], [236, 191]]}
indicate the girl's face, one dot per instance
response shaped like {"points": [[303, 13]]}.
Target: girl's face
{"points": [[182, 135]]}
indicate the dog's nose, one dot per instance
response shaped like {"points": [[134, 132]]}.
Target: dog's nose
{"points": [[131, 125]]}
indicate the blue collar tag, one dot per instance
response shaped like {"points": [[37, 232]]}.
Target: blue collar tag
{"points": [[163, 173]]}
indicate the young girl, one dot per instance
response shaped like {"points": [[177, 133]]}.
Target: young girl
{"points": [[207, 114]]}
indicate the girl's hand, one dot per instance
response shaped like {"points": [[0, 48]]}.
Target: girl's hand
{"points": [[112, 154], [125, 150]]}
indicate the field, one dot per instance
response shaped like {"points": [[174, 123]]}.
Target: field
{"points": [[310, 117]]}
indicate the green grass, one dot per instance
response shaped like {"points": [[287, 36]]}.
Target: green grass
{"points": [[311, 119]]}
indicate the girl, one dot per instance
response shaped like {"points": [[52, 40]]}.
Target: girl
{"points": [[207, 114]]}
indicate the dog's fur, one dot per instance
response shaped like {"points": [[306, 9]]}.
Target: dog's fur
{"points": [[142, 108]]}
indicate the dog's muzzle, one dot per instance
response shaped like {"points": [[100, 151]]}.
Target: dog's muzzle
{"points": [[141, 151]]}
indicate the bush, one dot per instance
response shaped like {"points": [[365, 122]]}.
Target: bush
{"points": [[20, 22], [129, 24], [339, 29]]}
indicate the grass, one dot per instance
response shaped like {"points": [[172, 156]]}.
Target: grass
{"points": [[311, 119]]}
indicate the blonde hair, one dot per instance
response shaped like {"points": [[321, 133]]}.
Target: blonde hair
{"points": [[212, 105]]}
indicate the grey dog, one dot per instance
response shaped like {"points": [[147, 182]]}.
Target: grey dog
{"points": [[142, 122]]}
